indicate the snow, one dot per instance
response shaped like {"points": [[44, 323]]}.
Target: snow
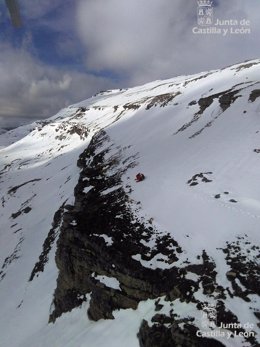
{"points": [[159, 261], [108, 281], [192, 276], [168, 158], [74, 329], [87, 189], [108, 239], [110, 190]]}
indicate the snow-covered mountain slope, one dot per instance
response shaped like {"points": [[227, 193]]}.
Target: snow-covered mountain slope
{"points": [[92, 258]]}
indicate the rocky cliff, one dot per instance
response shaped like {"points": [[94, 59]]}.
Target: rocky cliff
{"points": [[169, 261]]}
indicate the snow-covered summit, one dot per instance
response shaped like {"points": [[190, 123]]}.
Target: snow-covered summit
{"points": [[155, 255]]}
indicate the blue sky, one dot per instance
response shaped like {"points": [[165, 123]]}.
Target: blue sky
{"points": [[67, 50]]}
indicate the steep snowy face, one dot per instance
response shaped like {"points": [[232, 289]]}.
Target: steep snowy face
{"points": [[90, 257]]}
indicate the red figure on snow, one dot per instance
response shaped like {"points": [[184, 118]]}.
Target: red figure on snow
{"points": [[139, 177]]}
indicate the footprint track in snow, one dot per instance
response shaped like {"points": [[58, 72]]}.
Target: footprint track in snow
{"points": [[230, 202]]}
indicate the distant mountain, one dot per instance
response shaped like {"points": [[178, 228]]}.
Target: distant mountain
{"points": [[90, 257]]}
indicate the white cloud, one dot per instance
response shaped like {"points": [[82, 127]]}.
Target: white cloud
{"points": [[31, 89], [136, 40], [149, 39]]}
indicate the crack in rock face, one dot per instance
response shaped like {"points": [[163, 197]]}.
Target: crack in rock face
{"points": [[104, 253]]}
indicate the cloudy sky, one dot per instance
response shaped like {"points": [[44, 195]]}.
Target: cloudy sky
{"points": [[67, 50]]}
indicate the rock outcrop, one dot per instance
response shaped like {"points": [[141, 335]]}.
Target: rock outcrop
{"points": [[100, 239]]}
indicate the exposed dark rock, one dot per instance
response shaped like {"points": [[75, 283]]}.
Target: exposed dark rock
{"points": [[233, 200], [68, 128], [105, 300], [159, 335], [82, 109], [226, 98], [27, 209], [205, 103], [155, 336], [158, 306], [254, 95], [162, 319], [14, 189], [257, 314], [21, 211], [231, 274], [194, 184], [12, 257], [82, 252], [162, 100], [244, 66], [46, 248], [201, 177], [208, 278], [247, 270], [101, 235], [196, 79], [131, 106]]}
